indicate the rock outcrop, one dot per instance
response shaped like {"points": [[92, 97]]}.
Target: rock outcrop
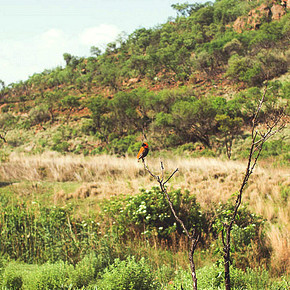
{"points": [[261, 14], [286, 3], [277, 11]]}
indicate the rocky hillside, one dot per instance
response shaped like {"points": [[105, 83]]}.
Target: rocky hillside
{"points": [[268, 11], [192, 80]]}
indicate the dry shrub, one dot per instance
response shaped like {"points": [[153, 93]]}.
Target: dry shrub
{"points": [[59, 196], [85, 191]]}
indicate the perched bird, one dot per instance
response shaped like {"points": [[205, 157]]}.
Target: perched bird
{"points": [[143, 151]]}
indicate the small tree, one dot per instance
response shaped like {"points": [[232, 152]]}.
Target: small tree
{"points": [[193, 236], [95, 51], [2, 88], [229, 128], [67, 58], [70, 103], [274, 123], [52, 101], [7, 123], [99, 107]]}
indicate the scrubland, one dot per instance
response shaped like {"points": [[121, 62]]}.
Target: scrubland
{"points": [[84, 184], [212, 180]]}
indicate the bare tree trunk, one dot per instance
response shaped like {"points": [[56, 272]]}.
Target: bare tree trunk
{"points": [[191, 262], [228, 144]]}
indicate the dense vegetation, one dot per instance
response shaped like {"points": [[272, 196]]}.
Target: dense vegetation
{"points": [[130, 89], [87, 252], [190, 87]]}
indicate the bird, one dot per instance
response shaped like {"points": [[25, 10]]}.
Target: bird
{"points": [[143, 151]]}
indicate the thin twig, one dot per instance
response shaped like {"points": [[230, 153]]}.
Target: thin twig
{"points": [[259, 109], [170, 176]]}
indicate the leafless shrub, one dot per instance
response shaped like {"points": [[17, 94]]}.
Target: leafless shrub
{"points": [[275, 121]]}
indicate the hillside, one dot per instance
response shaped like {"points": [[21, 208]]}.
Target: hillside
{"points": [[193, 79]]}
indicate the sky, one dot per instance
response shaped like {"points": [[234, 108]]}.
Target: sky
{"points": [[34, 34]]}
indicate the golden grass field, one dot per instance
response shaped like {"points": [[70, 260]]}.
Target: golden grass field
{"points": [[211, 180]]}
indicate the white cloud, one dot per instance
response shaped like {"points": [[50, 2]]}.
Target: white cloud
{"points": [[20, 59], [99, 35], [51, 37]]}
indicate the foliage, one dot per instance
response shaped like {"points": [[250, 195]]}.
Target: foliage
{"points": [[121, 91], [212, 277], [276, 147], [7, 122], [129, 274], [48, 276], [247, 227], [12, 277], [38, 115], [245, 69], [229, 128], [165, 52], [70, 103], [148, 213], [58, 275], [33, 234]]}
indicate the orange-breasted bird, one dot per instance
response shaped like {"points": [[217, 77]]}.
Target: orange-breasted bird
{"points": [[143, 151]]}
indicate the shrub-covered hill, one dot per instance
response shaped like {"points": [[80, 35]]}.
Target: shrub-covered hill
{"points": [[194, 79]]}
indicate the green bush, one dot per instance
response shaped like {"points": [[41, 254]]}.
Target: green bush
{"points": [[59, 275], [49, 276], [84, 272], [38, 115], [89, 269], [128, 274], [246, 69], [247, 225], [148, 213], [12, 277], [283, 284], [121, 146], [212, 277], [61, 147], [275, 147]]}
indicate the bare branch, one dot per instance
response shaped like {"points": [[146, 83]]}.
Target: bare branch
{"points": [[170, 176], [258, 110], [162, 170], [2, 137], [163, 189], [194, 237], [147, 169], [254, 154]]}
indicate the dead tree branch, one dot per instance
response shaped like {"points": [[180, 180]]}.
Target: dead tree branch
{"points": [[258, 140], [192, 237], [2, 137]]}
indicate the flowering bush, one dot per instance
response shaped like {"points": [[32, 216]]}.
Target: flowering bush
{"points": [[148, 213]]}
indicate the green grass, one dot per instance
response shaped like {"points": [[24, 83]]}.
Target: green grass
{"points": [[41, 192]]}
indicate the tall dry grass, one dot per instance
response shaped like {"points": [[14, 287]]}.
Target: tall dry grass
{"points": [[279, 240], [211, 180]]}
